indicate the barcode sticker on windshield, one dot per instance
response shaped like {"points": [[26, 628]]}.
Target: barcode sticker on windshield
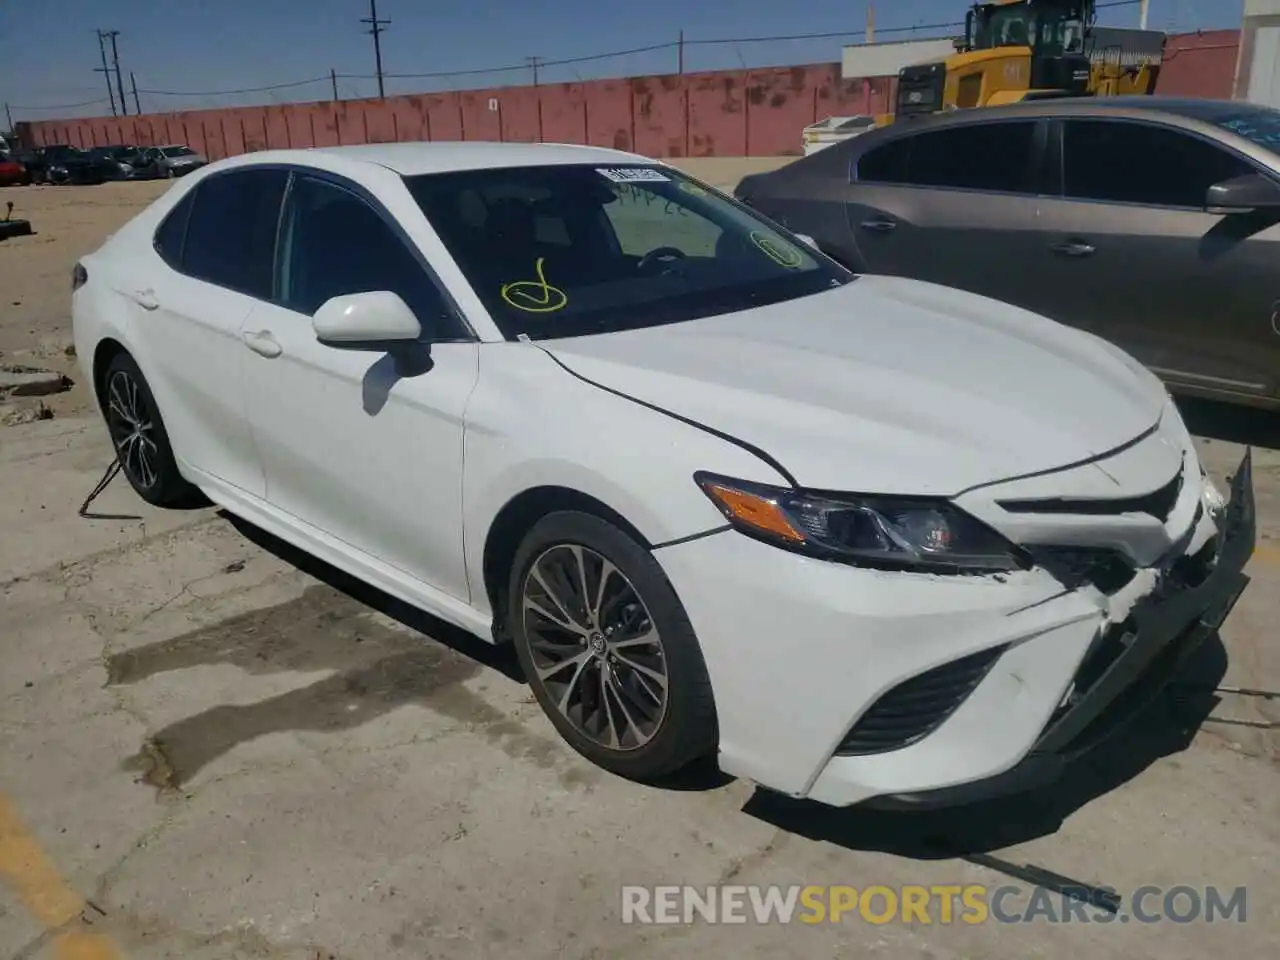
{"points": [[633, 174]]}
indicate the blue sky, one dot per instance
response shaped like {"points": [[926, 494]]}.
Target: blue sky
{"points": [[48, 48]]}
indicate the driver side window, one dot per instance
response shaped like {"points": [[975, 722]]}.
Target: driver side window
{"points": [[335, 243], [644, 221], [1155, 165]]}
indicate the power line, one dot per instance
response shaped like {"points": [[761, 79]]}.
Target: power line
{"points": [[60, 106], [220, 93]]}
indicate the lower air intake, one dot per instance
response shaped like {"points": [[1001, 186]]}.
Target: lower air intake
{"points": [[915, 708]]}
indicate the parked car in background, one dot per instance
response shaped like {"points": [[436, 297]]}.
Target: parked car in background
{"points": [[120, 160], [13, 172], [171, 160], [65, 164], [858, 537], [1153, 222]]}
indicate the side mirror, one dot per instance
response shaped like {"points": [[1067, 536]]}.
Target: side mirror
{"points": [[1243, 194], [365, 321]]}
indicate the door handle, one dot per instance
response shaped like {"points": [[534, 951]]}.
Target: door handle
{"points": [[146, 299], [880, 225], [262, 343], [1074, 248]]}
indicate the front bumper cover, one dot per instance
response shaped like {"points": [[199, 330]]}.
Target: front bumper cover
{"points": [[1163, 629]]}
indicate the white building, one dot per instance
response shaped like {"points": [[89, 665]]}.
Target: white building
{"points": [[1258, 67], [863, 61]]}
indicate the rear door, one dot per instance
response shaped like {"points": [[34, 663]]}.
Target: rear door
{"points": [[954, 206], [213, 260], [1131, 254]]}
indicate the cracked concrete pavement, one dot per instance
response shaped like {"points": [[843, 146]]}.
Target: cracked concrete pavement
{"points": [[222, 748]]}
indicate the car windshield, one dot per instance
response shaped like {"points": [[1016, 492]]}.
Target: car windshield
{"points": [[1261, 125], [566, 250], [177, 151]]}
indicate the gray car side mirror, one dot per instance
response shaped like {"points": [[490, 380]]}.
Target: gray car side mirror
{"points": [[1243, 194]]}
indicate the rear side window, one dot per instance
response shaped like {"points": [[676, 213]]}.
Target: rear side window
{"points": [[1148, 164], [172, 231], [231, 234], [980, 156], [886, 164]]}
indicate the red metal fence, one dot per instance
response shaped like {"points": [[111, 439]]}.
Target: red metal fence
{"points": [[731, 113]]}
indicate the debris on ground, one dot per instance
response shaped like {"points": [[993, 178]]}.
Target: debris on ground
{"points": [[20, 381], [12, 415]]}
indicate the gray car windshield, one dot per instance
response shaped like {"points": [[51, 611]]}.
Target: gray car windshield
{"points": [[1260, 125], [564, 250]]}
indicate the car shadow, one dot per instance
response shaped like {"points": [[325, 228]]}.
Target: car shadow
{"points": [[973, 832], [496, 657], [1231, 423]]}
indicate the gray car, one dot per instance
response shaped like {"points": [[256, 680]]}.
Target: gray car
{"points": [[170, 160], [1153, 222]]}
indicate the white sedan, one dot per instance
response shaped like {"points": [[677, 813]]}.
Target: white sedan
{"points": [[860, 538]]}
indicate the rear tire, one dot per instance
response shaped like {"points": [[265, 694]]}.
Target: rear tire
{"points": [[608, 648], [139, 437]]}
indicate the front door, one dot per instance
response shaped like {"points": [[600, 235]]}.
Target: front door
{"points": [[1133, 256], [354, 444]]}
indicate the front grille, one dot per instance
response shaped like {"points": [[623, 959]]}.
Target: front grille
{"points": [[915, 708], [1159, 503], [1074, 567]]}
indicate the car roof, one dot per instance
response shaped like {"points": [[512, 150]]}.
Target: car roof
{"points": [[1136, 106], [412, 159]]}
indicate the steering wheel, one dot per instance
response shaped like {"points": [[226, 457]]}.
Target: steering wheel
{"points": [[659, 255]]}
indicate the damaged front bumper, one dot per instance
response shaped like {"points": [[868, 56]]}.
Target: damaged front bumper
{"points": [[1129, 664]]}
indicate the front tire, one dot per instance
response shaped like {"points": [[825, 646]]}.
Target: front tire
{"points": [[608, 648], [139, 437]]}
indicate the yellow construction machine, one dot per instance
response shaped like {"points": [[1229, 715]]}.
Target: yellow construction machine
{"points": [[1030, 49]]}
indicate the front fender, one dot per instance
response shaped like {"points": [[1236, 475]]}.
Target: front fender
{"points": [[531, 424]]}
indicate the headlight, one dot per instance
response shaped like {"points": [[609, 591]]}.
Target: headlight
{"points": [[1214, 502], [887, 532]]}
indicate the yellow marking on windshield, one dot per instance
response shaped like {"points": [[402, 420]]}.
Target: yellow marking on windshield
{"points": [[692, 188], [535, 296], [783, 254]]}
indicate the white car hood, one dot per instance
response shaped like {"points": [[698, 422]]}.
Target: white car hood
{"points": [[886, 385]]}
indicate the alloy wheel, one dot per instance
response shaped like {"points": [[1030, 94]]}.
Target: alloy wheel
{"points": [[595, 648], [132, 428]]}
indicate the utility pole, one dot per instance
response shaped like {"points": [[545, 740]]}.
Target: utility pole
{"points": [[533, 64], [1142, 14], [333, 78], [115, 56], [106, 73], [376, 27], [871, 21], [680, 54], [8, 116], [137, 107]]}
